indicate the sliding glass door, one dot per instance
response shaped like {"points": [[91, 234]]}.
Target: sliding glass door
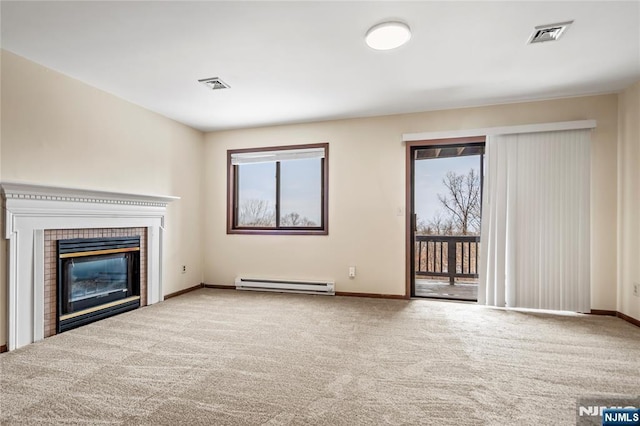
{"points": [[446, 200]]}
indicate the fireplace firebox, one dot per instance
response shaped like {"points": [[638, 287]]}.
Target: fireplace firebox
{"points": [[97, 278]]}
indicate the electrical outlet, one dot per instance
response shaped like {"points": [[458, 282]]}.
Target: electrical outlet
{"points": [[352, 271], [636, 289], [184, 269]]}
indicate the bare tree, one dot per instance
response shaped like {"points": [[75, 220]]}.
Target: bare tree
{"points": [[438, 225], [255, 212], [462, 201], [294, 219]]}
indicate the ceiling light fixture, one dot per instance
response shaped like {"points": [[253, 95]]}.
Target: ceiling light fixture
{"points": [[388, 35]]}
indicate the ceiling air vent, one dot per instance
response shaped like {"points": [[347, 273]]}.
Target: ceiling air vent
{"points": [[214, 83], [551, 32]]}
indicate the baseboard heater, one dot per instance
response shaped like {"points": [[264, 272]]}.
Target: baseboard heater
{"points": [[286, 286]]}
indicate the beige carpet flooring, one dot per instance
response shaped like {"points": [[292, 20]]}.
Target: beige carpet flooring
{"points": [[223, 357]]}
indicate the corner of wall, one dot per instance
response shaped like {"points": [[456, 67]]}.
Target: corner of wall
{"points": [[628, 189]]}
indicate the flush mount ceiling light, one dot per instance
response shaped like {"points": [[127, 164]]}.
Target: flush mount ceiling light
{"points": [[388, 35]]}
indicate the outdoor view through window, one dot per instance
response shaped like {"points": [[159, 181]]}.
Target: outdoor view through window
{"points": [[279, 189], [447, 195], [447, 205], [300, 193]]}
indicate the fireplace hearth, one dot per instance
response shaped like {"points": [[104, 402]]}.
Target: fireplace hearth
{"points": [[97, 278]]}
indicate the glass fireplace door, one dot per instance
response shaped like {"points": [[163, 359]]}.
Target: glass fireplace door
{"points": [[95, 280]]}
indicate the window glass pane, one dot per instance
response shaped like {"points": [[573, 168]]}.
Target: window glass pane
{"points": [[447, 194], [257, 195], [301, 193]]}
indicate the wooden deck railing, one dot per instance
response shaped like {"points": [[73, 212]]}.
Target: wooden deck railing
{"points": [[447, 256]]}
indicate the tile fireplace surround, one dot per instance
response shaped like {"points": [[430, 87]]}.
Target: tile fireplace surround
{"points": [[32, 213]]}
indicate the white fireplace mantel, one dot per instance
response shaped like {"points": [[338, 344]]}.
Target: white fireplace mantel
{"points": [[32, 209]]}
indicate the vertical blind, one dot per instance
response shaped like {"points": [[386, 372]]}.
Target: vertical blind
{"points": [[535, 221]]}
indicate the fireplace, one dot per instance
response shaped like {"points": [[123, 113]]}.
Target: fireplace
{"points": [[97, 278], [36, 217]]}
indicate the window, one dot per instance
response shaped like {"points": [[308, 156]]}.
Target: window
{"points": [[278, 190]]}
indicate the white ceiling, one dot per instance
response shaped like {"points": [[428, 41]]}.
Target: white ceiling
{"points": [[290, 62]]}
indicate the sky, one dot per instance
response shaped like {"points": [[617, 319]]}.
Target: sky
{"points": [[257, 181], [428, 181]]}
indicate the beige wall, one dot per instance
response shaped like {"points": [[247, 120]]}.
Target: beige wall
{"points": [[59, 131], [629, 201], [367, 187]]}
